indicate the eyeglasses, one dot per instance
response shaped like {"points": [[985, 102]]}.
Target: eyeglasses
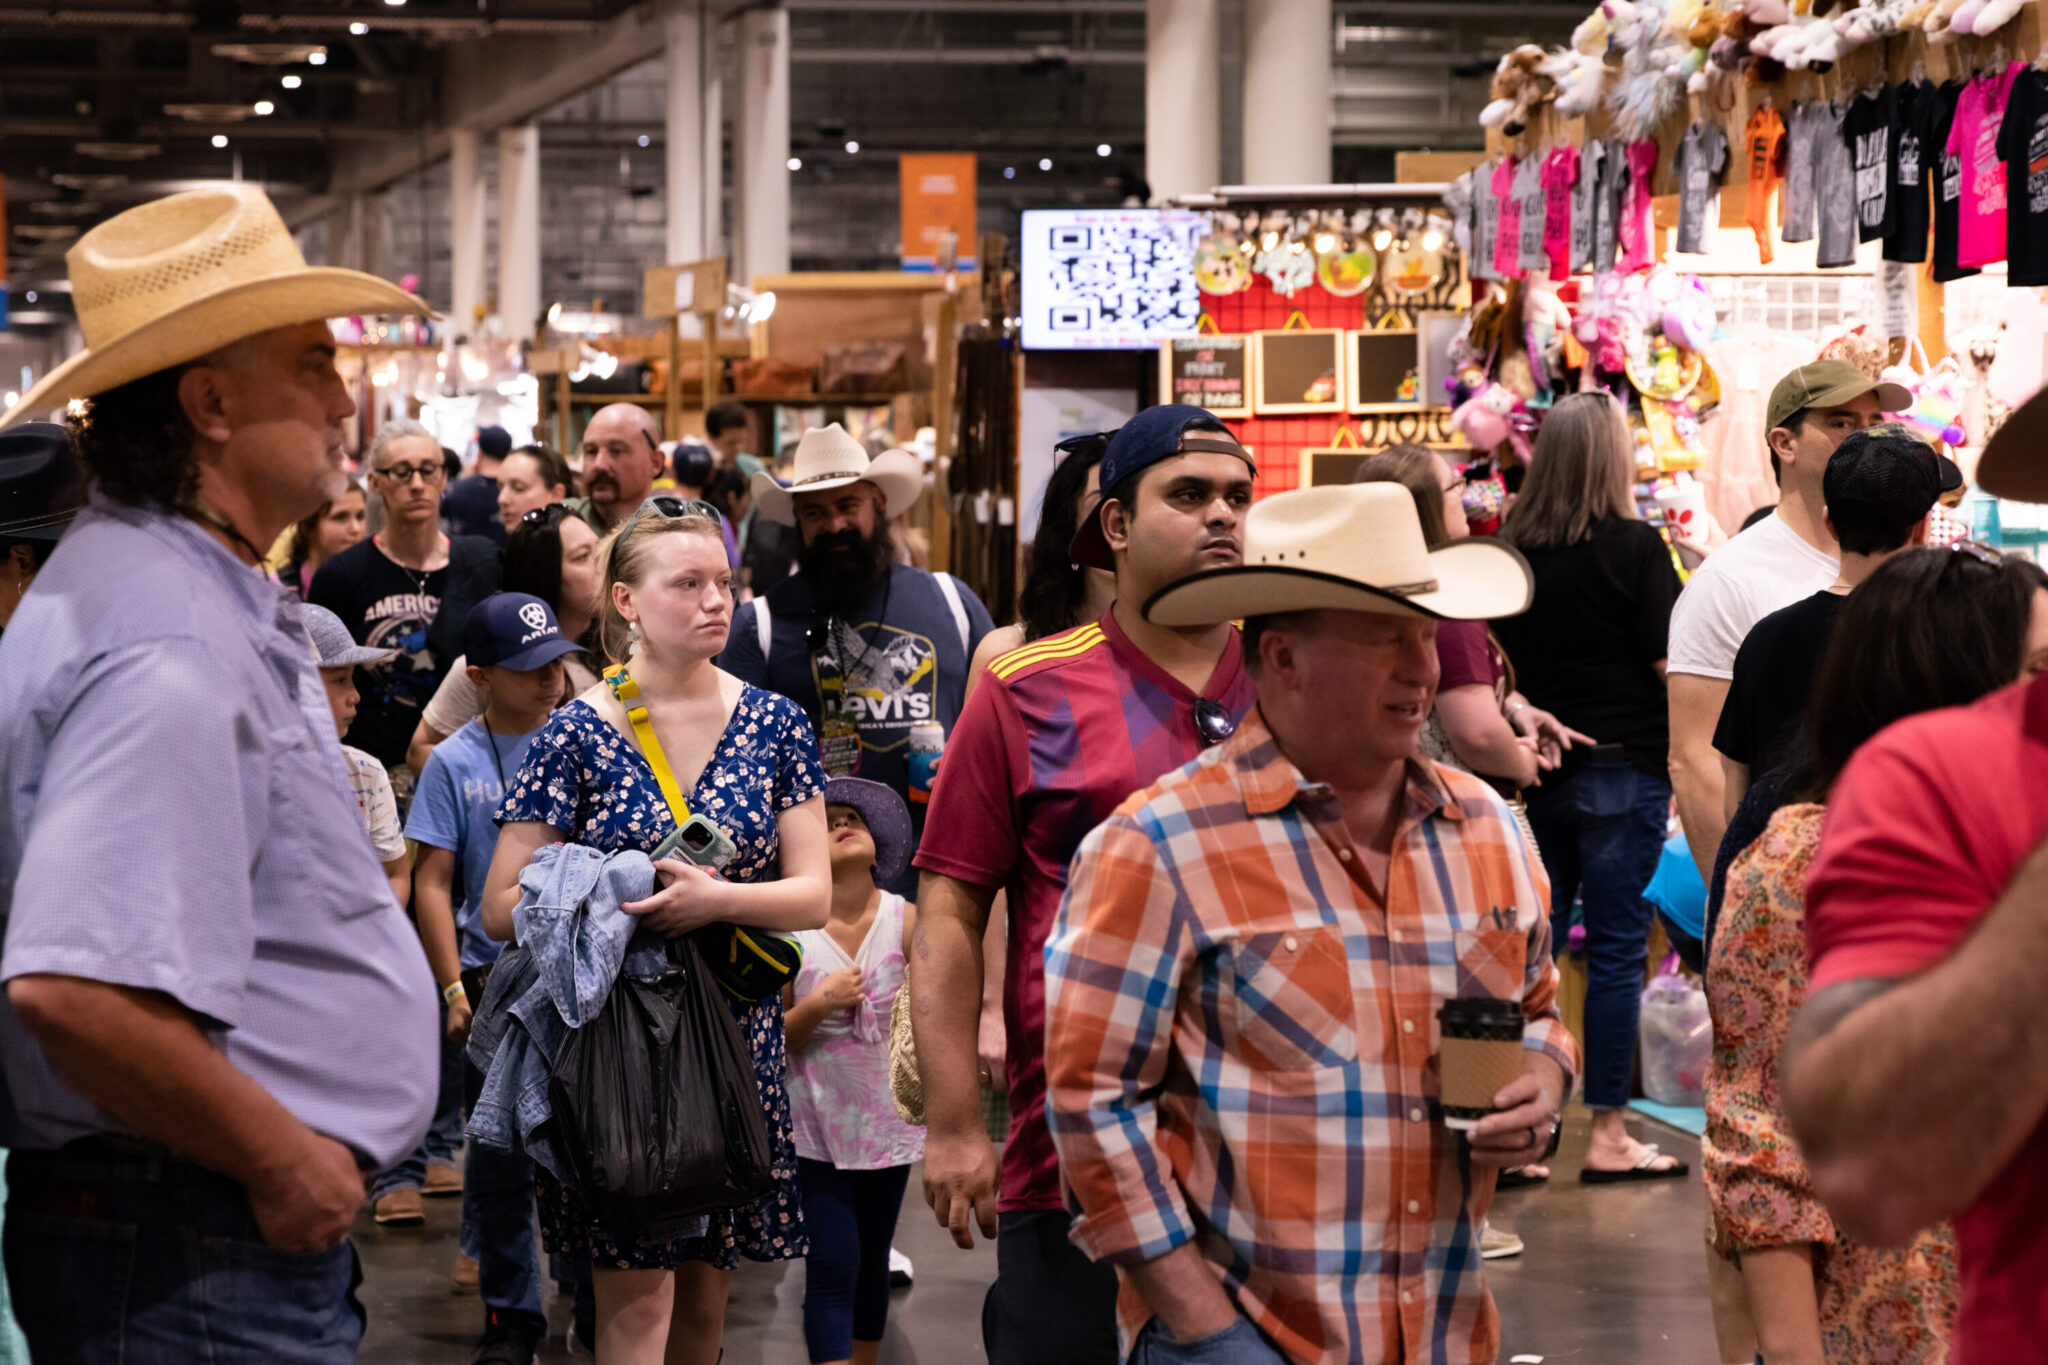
{"points": [[1457, 485], [542, 516], [429, 473], [673, 507], [1983, 554], [1213, 722]]}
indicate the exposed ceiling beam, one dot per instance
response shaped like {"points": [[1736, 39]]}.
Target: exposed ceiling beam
{"points": [[982, 7], [964, 56]]}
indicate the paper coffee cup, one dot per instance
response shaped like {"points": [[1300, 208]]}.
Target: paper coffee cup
{"points": [[1684, 501], [1480, 1053]]}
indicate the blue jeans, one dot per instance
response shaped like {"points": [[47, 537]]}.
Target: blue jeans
{"points": [[1238, 1344], [444, 1135], [851, 1218], [497, 1224], [146, 1261], [1600, 831]]}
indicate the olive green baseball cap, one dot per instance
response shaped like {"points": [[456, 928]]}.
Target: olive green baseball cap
{"points": [[1829, 384]]}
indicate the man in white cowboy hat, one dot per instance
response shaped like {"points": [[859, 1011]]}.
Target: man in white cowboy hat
{"points": [[622, 457], [868, 647], [1243, 983], [217, 1016]]}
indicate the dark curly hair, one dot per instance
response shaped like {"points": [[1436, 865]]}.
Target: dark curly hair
{"points": [[1054, 587], [135, 442]]}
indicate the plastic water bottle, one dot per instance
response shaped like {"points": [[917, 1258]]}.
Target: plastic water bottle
{"points": [[927, 742]]}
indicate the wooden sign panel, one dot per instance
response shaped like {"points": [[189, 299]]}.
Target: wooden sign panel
{"points": [[1212, 372], [1298, 371], [1381, 367]]}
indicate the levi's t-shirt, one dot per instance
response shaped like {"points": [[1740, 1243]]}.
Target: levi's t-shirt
{"points": [[2023, 144], [1869, 130], [1055, 737], [1980, 229], [1925, 830], [1915, 157]]}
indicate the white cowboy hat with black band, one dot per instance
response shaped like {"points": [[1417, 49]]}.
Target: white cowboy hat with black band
{"points": [[177, 278], [1352, 547], [828, 458]]}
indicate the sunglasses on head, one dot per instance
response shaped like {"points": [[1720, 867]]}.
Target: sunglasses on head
{"points": [[543, 516], [1982, 553], [668, 507]]}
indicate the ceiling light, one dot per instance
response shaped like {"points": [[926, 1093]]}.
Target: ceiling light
{"points": [[359, 30], [796, 163], [642, 140], [220, 139], [1382, 239], [290, 82], [1271, 240], [1045, 163], [1432, 240], [264, 108], [9, 398], [87, 184], [852, 147], [1326, 242], [1009, 172], [394, 3], [266, 54], [317, 58], [1102, 149], [208, 113], [118, 151], [30, 296]]}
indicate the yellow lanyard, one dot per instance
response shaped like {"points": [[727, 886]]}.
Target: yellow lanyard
{"points": [[628, 694]]}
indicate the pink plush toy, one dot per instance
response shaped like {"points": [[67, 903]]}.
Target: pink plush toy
{"points": [[1486, 420]]}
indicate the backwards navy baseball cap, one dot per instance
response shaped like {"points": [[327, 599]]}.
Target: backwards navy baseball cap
{"points": [[1155, 434], [514, 630]]}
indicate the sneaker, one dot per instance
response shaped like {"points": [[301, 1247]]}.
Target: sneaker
{"points": [[1497, 1243], [463, 1278], [509, 1340], [399, 1209], [900, 1269], [442, 1181]]}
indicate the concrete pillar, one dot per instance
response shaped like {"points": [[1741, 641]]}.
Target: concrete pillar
{"points": [[519, 301], [1183, 141], [762, 152], [355, 233], [1287, 108], [712, 167], [467, 290], [683, 64]]}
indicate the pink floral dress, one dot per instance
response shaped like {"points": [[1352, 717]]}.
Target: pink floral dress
{"points": [[1877, 1306], [839, 1080]]}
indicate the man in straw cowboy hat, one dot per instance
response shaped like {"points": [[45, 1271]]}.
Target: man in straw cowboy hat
{"points": [[868, 647], [1243, 983], [1916, 1076], [217, 1016]]}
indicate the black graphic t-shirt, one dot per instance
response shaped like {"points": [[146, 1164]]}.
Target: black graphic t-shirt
{"points": [[2023, 146], [1914, 158], [1948, 186], [1868, 130], [385, 606]]}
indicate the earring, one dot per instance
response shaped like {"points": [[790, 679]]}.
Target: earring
{"points": [[633, 629]]}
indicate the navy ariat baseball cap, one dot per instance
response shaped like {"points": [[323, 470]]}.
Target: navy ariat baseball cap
{"points": [[514, 630], [1155, 434]]}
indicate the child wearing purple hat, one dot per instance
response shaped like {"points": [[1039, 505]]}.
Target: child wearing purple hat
{"points": [[854, 1152]]}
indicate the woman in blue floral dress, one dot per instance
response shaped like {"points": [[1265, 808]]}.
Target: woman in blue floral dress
{"points": [[748, 760]]}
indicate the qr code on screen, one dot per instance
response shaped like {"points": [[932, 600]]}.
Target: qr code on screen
{"points": [[1123, 278]]}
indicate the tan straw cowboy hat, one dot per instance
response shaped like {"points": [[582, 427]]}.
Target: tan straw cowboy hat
{"points": [[829, 458], [178, 278], [1352, 547]]}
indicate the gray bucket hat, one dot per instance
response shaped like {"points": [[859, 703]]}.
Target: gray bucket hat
{"points": [[333, 646], [886, 817]]}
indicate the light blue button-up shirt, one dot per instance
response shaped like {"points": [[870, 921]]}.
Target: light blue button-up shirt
{"points": [[173, 818]]}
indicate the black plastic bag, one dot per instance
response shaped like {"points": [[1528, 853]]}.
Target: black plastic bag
{"points": [[656, 1110]]}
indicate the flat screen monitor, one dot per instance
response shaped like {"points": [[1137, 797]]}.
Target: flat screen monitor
{"points": [[1109, 279]]}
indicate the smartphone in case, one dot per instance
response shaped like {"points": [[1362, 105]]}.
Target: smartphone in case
{"points": [[697, 841]]}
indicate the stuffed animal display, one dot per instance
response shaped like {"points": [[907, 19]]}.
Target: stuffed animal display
{"points": [[1520, 85]]}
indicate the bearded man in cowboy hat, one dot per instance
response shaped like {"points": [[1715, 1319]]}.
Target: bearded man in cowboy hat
{"points": [[1243, 982], [217, 1017], [868, 647]]}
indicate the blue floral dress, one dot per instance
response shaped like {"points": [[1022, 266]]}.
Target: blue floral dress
{"points": [[583, 776]]}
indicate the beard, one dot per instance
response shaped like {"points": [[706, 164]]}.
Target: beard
{"points": [[845, 568]]}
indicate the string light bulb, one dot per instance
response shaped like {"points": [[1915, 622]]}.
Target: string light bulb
{"points": [[1270, 241], [1432, 240], [1326, 242], [1382, 239]]}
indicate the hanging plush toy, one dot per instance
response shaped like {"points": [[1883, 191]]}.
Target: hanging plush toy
{"points": [[1519, 87], [1486, 421]]}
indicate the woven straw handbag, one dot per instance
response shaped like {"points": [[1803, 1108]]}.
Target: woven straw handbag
{"points": [[906, 1087]]}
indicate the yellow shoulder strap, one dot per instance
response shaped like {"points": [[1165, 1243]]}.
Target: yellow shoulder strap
{"points": [[628, 694]]}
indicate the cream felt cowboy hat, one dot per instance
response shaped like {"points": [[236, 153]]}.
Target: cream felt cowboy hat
{"points": [[1354, 547], [175, 279], [829, 458]]}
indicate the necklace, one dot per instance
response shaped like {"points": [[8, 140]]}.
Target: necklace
{"points": [[497, 760], [419, 576]]}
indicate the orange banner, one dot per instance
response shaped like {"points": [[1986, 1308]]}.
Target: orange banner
{"points": [[938, 198]]}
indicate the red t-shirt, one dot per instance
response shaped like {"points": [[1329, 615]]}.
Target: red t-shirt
{"points": [[1054, 738], [1465, 656], [1925, 828]]}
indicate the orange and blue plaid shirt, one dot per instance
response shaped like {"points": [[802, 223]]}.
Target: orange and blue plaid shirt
{"points": [[1241, 1046]]}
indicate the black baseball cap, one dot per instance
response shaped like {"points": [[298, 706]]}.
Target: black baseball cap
{"points": [[494, 441], [1885, 476], [514, 630], [1155, 434], [40, 488]]}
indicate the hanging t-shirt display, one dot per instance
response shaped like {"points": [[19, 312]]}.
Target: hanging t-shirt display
{"points": [[1834, 186], [1868, 130], [1764, 137], [1607, 205], [1948, 186], [1485, 220], [2023, 143], [1637, 227], [1914, 153], [1980, 226], [1560, 174], [1507, 241], [1534, 214], [1458, 201], [1798, 197], [1585, 204], [1702, 157]]}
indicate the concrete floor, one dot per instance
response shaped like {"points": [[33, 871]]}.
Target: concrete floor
{"points": [[1616, 1273]]}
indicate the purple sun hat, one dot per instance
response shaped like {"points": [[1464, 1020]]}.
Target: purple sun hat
{"points": [[887, 819]]}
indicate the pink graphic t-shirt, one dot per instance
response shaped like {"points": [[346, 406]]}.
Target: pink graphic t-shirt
{"points": [[1560, 173], [1637, 225], [1973, 140], [1507, 241]]}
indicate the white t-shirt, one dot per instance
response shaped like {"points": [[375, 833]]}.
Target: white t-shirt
{"points": [[376, 804], [1765, 568]]}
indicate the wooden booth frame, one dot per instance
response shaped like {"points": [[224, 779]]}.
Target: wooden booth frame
{"points": [[1330, 337], [1166, 371], [1339, 464]]}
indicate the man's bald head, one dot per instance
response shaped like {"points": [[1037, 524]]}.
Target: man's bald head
{"points": [[621, 458]]}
